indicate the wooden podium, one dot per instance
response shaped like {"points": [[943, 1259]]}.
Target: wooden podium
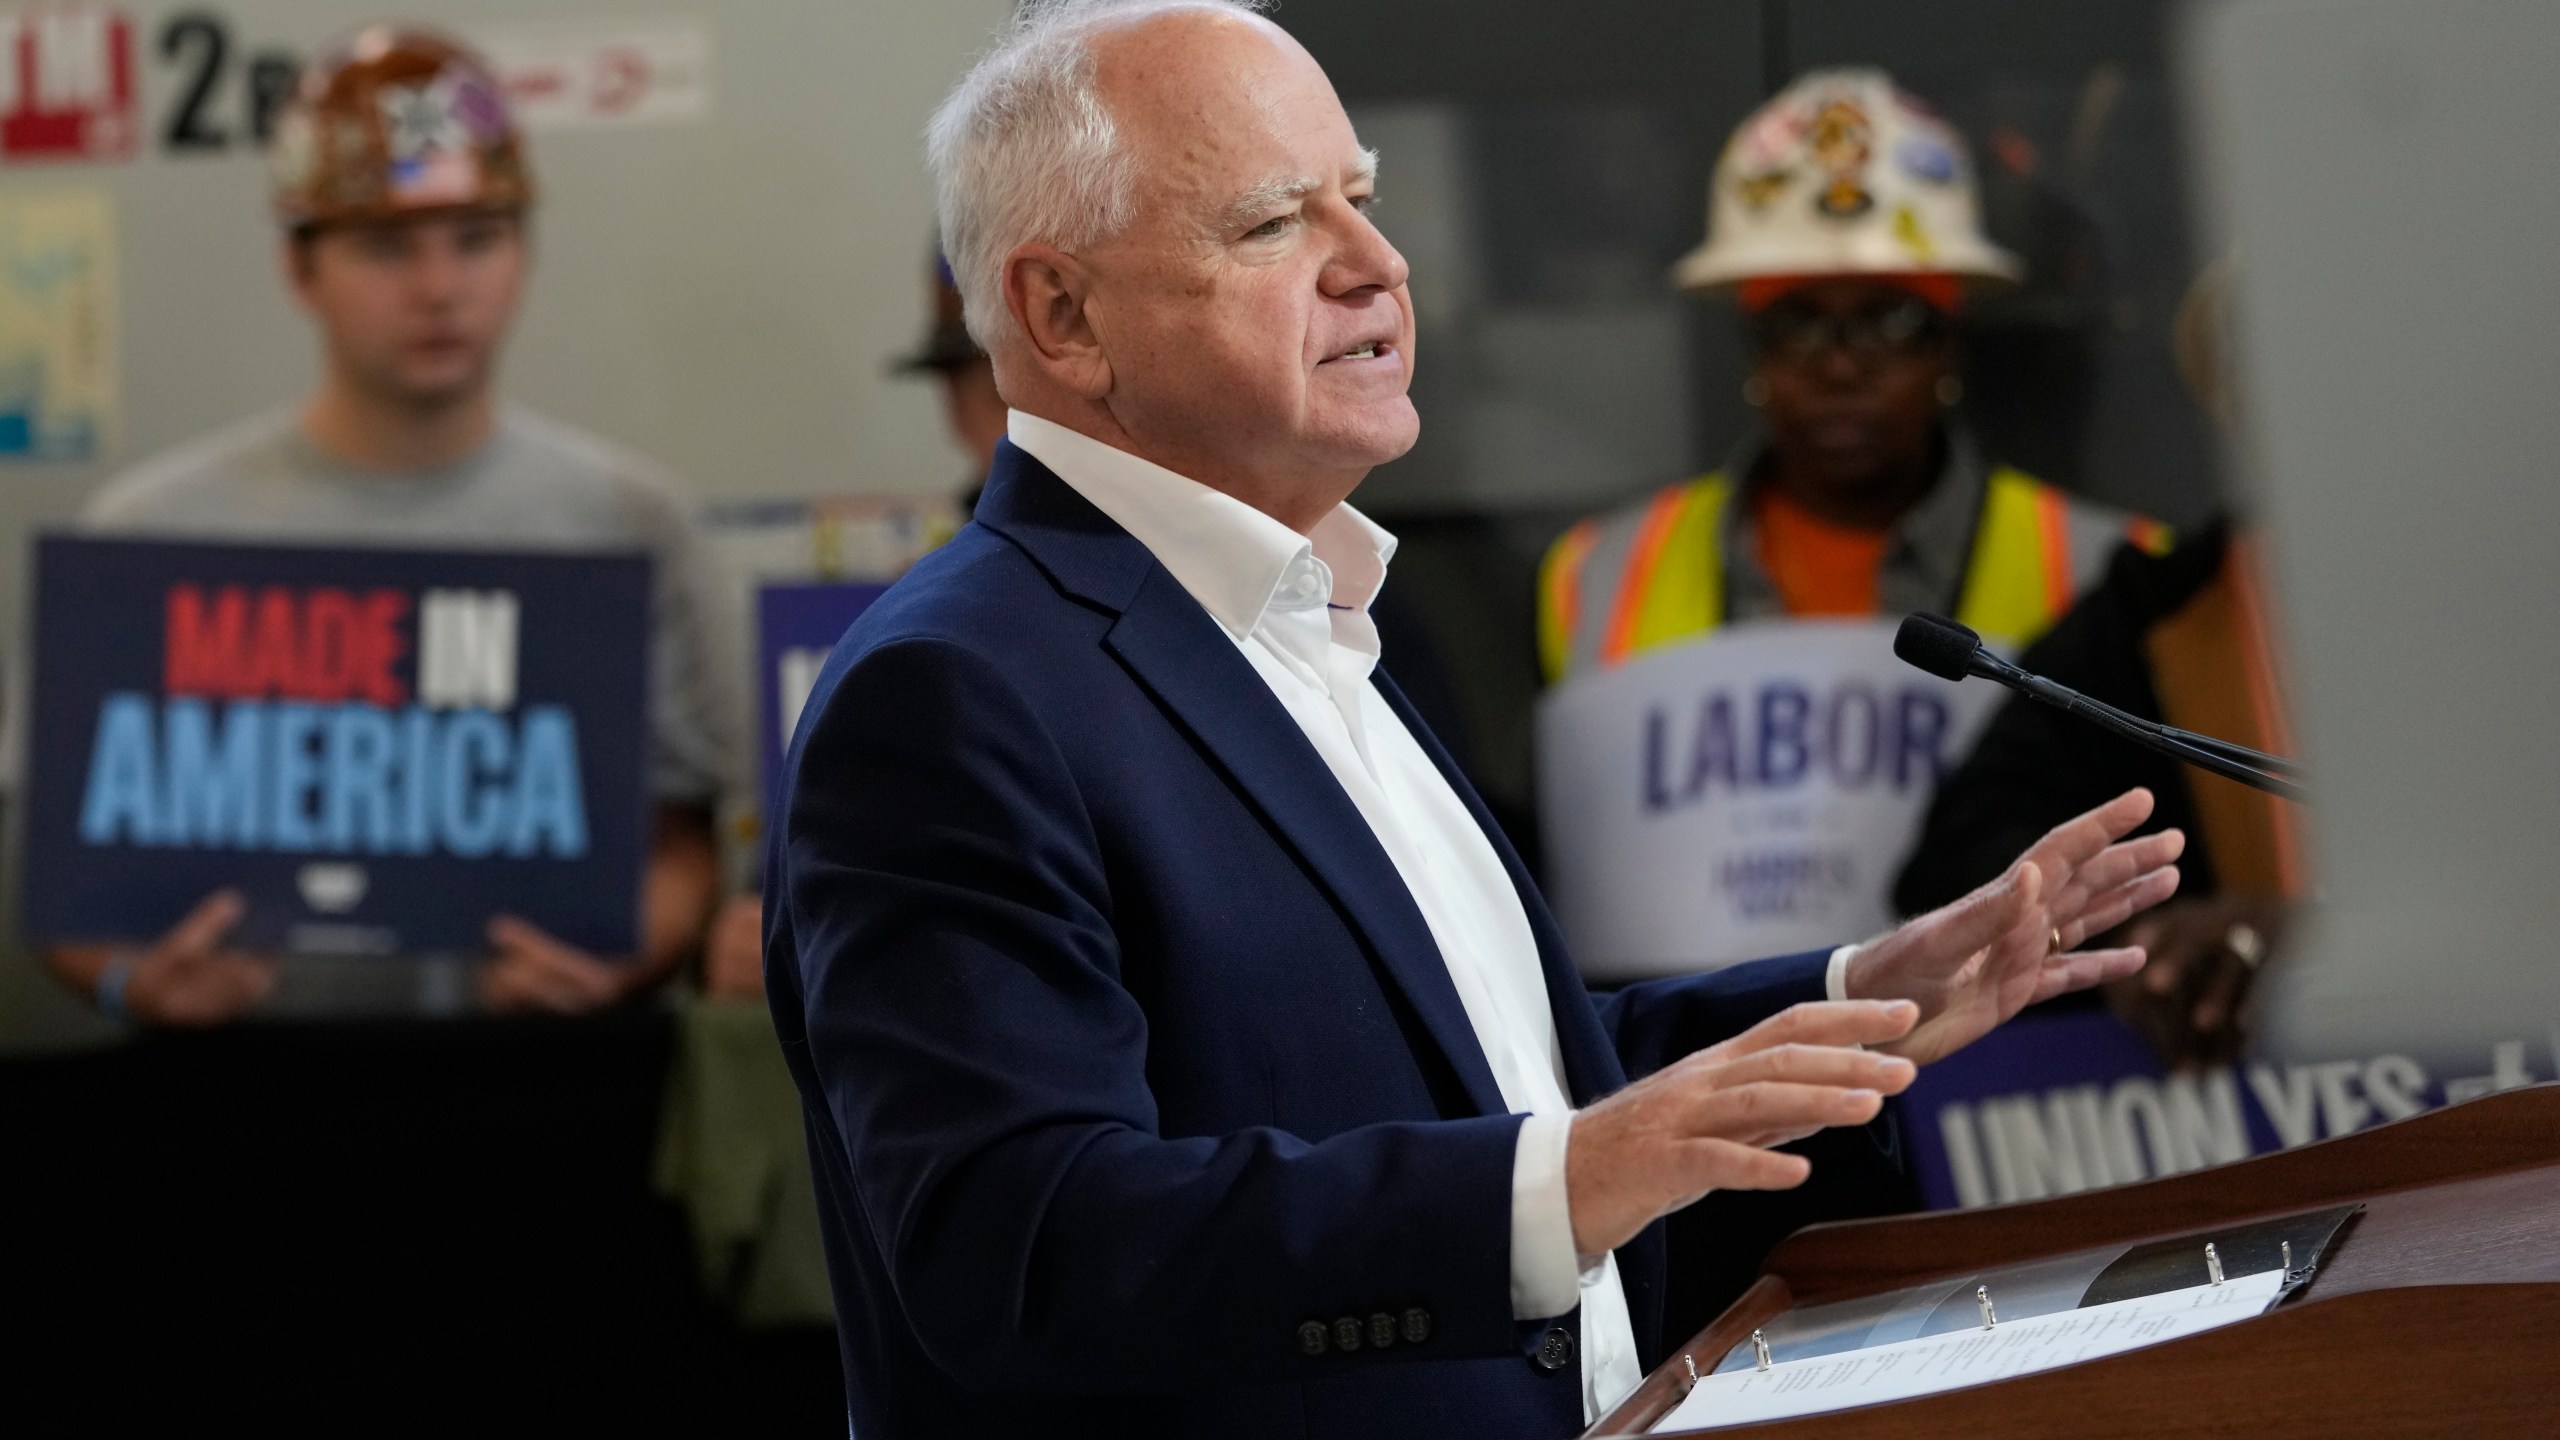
{"points": [[2435, 1312]]}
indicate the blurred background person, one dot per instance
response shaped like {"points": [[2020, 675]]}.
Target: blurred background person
{"points": [[974, 418], [403, 194], [732, 1153], [2185, 637], [971, 408], [1845, 227]]}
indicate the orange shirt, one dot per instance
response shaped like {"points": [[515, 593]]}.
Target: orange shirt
{"points": [[1819, 568]]}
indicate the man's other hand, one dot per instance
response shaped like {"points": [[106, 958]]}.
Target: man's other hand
{"points": [[531, 971], [2195, 1001], [1973, 964], [189, 979], [1711, 1122]]}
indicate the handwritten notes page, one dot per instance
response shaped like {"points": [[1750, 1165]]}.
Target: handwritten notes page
{"points": [[1970, 1357]]}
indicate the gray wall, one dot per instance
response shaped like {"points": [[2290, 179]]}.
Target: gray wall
{"points": [[2399, 343]]}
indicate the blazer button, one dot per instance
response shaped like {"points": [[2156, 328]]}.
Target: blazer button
{"points": [[1346, 1334], [1555, 1349], [1417, 1326], [1382, 1330], [1313, 1337]]}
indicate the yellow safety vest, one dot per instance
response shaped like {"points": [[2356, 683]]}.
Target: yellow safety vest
{"points": [[1616, 586]]}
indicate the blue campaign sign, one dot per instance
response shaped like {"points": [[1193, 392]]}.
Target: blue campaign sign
{"points": [[2050, 1104], [380, 749], [796, 625]]}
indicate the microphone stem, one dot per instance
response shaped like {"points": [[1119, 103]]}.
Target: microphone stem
{"points": [[2107, 717], [2254, 759]]}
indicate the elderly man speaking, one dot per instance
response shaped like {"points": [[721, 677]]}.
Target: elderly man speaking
{"points": [[1185, 1052]]}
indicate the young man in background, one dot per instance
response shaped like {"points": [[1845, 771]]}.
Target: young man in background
{"points": [[403, 193]]}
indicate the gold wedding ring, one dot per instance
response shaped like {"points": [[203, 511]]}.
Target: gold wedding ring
{"points": [[2057, 940]]}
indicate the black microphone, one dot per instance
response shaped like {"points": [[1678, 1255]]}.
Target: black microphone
{"points": [[1940, 646], [1951, 652]]}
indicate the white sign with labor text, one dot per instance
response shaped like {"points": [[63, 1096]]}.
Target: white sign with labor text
{"points": [[1749, 794]]}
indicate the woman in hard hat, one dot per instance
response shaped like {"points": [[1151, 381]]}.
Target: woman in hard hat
{"points": [[1844, 224]]}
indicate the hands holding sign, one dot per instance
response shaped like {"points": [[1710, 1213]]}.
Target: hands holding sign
{"points": [[531, 970], [190, 978], [1917, 994], [193, 976]]}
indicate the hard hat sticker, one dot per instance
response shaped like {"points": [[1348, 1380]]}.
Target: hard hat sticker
{"points": [[1925, 157], [420, 119], [1770, 142], [431, 133], [1758, 190], [296, 153], [1843, 142], [441, 175], [1844, 199], [1914, 235], [476, 106]]}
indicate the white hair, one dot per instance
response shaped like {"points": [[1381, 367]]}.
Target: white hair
{"points": [[1023, 150]]}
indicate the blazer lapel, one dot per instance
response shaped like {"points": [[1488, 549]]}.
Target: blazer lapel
{"points": [[1194, 670]]}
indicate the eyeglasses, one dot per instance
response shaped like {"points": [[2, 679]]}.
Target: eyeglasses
{"points": [[1797, 334]]}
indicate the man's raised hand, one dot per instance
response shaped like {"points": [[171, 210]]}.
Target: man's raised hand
{"points": [[1973, 964], [1711, 1121]]}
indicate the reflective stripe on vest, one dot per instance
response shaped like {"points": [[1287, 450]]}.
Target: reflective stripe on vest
{"points": [[1658, 603], [1616, 586], [2020, 580], [1560, 595]]}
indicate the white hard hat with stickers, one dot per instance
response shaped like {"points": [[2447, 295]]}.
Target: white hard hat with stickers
{"points": [[1843, 174]]}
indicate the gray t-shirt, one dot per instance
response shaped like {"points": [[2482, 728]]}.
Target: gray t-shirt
{"points": [[537, 485]]}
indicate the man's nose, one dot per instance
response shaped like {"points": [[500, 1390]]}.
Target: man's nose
{"points": [[1841, 368], [1366, 260], [435, 272]]}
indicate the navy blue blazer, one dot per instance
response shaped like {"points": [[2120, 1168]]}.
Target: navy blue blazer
{"points": [[1126, 1055]]}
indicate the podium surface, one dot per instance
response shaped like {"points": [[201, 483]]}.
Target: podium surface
{"points": [[2436, 1310]]}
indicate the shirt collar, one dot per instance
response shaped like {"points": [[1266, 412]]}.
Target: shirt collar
{"points": [[1229, 556]]}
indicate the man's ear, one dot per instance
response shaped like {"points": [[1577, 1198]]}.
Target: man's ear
{"points": [[1051, 296]]}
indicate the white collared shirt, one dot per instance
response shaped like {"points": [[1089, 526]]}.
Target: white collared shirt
{"points": [[1297, 606]]}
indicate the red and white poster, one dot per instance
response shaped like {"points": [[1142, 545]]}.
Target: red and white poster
{"points": [[67, 84], [578, 74]]}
